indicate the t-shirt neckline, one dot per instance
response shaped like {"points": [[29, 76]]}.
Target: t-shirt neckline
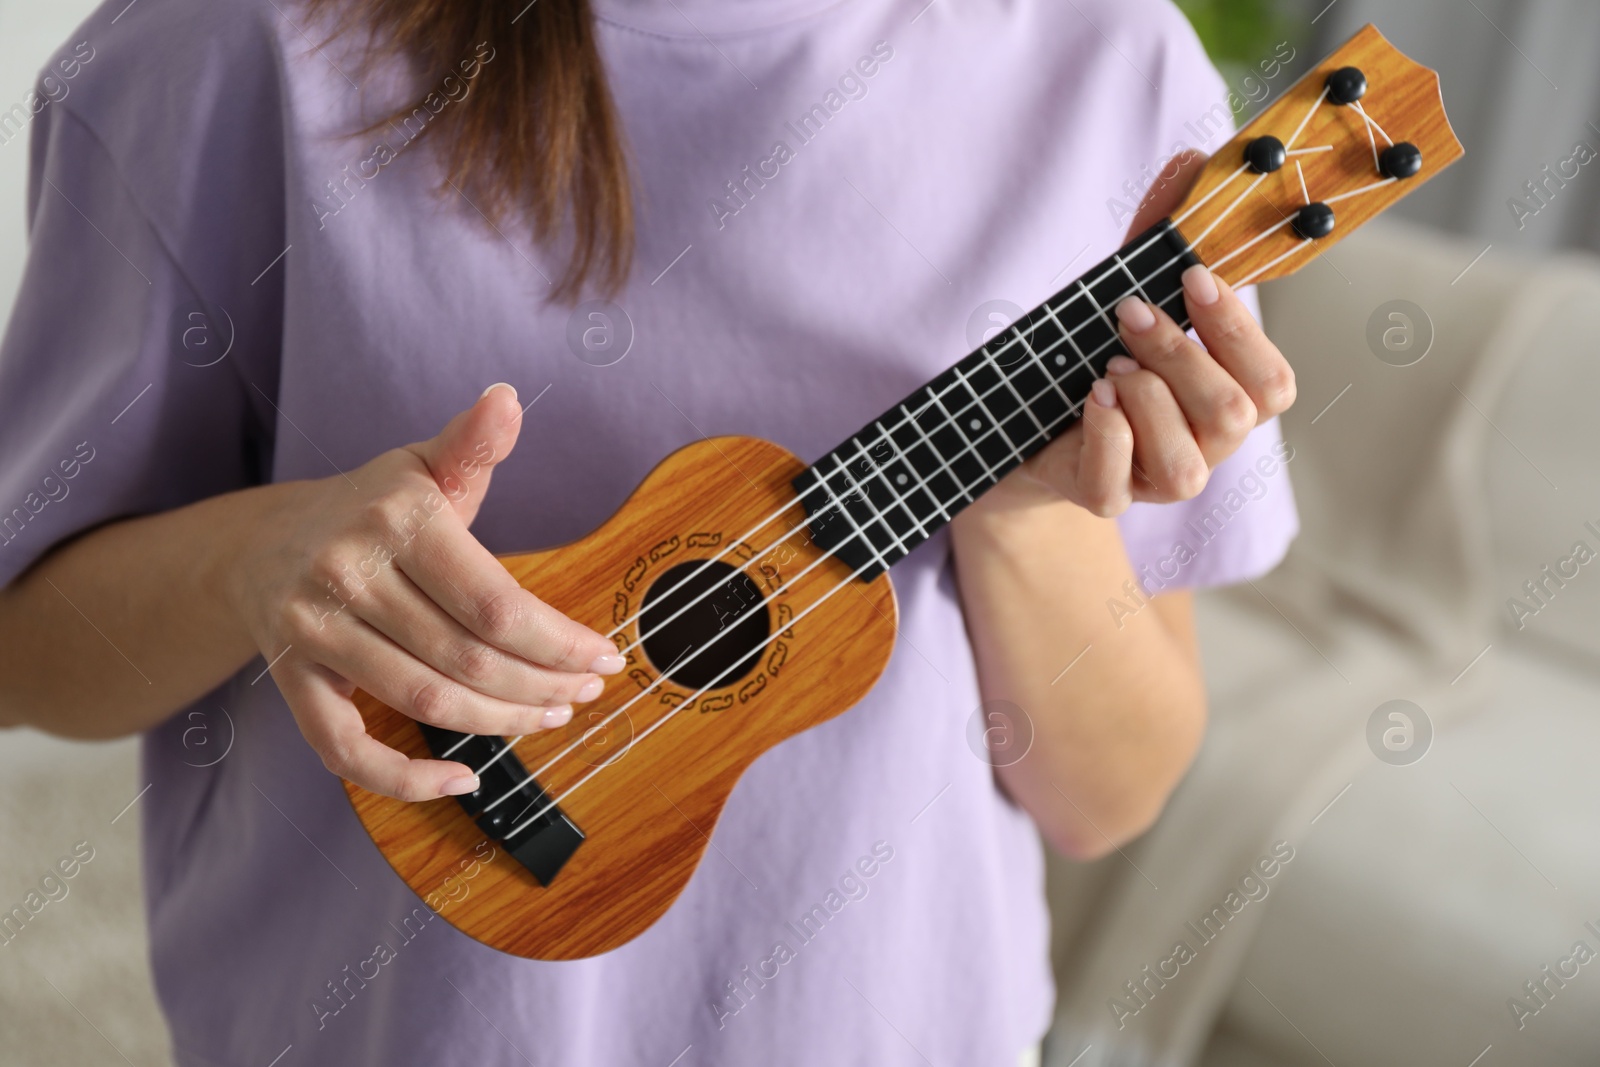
{"points": [[700, 19]]}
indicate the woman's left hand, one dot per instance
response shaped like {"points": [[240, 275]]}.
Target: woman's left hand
{"points": [[1158, 423]]}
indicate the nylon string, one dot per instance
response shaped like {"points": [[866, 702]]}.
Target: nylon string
{"points": [[1019, 336]]}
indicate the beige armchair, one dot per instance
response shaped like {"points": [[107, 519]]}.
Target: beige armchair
{"points": [[1422, 896]]}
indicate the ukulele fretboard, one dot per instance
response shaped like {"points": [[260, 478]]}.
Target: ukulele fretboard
{"points": [[906, 474]]}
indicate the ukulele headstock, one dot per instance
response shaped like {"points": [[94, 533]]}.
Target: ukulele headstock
{"points": [[1248, 216]]}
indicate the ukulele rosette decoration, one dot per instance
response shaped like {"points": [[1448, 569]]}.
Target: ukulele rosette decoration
{"points": [[749, 591]]}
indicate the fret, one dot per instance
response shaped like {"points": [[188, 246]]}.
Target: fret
{"points": [[858, 490], [1061, 359], [1055, 385], [1044, 334], [1078, 376], [985, 383], [996, 347], [959, 484], [941, 493], [969, 467], [901, 479], [953, 439], [1111, 327], [1137, 287], [872, 464], [1045, 338], [1012, 388], [844, 509], [967, 441], [1175, 296], [1164, 285], [1023, 428], [880, 515], [896, 499], [980, 377], [974, 422], [1045, 399]]}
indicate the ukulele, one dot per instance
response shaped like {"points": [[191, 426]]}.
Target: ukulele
{"points": [[749, 591]]}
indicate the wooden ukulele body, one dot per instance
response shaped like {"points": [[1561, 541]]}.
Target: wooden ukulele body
{"points": [[647, 816]]}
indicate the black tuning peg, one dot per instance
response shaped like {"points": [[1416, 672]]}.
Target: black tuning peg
{"points": [[1346, 85], [1313, 221], [1265, 154], [1401, 160]]}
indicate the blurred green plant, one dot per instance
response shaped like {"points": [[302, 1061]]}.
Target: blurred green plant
{"points": [[1239, 33]]}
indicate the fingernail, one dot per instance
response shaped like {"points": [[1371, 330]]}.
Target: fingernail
{"points": [[1105, 394], [1136, 315], [1121, 365], [609, 664], [1200, 285], [556, 716], [498, 385], [457, 787], [591, 689]]}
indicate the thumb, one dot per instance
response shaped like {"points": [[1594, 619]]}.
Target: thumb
{"points": [[1168, 190], [465, 452]]}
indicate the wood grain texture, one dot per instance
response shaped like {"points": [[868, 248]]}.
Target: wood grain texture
{"points": [[648, 816], [650, 810], [1402, 97]]}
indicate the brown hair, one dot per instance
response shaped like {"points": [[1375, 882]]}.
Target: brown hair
{"points": [[537, 135]]}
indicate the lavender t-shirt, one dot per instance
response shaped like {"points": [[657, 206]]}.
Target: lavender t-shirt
{"points": [[226, 288]]}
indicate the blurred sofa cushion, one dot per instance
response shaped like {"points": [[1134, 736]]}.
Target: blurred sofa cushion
{"points": [[1541, 469], [1389, 342], [1494, 421]]}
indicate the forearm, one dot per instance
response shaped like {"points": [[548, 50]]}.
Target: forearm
{"points": [[1112, 735], [116, 630]]}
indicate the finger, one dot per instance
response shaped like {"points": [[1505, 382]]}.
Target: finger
{"points": [[1055, 466], [1167, 462], [456, 572], [370, 660], [1234, 339], [396, 608], [1217, 408], [333, 728], [1105, 463], [463, 455]]}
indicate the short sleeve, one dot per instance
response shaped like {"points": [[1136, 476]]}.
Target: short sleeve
{"points": [[122, 390], [1241, 525]]}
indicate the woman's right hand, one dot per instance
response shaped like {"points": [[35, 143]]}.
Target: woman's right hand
{"points": [[370, 580]]}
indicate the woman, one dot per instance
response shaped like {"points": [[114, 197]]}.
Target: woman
{"points": [[279, 251]]}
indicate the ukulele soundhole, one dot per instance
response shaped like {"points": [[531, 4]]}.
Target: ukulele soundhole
{"points": [[708, 618]]}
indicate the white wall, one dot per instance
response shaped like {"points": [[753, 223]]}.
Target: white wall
{"points": [[1522, 88], [29, 31], [77, 979]]}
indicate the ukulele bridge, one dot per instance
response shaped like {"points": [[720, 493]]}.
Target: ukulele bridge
{"points": [[548, 841]]}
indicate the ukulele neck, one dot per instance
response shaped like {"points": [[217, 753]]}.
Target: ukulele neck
{"points": [[907, 473]]}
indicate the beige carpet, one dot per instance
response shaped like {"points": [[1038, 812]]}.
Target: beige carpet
{"points": [[74, 978]]}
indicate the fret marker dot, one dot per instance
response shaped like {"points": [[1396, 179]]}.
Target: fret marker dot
{"points": [[901, 479], [976, 424], [1061, 361]]}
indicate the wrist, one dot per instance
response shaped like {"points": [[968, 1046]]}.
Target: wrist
{"points": [[1021, 505], [247, 531]]}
